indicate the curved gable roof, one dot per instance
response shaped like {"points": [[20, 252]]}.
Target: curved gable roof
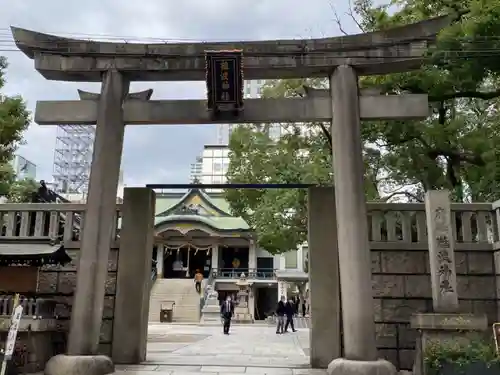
{"points": [[217, 207], [210, 211], [217, 223]]}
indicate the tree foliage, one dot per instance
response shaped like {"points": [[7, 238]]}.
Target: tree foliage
{"points": [[457, 147], [14, 120]]}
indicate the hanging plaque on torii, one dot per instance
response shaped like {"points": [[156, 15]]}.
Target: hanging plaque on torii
{"points": [[224, 78]]}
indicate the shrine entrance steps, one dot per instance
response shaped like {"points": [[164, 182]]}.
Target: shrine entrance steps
{"points": [[180, 291]]}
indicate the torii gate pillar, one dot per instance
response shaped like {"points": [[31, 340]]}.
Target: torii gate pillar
{"points": [[360, 352], [88, 303]]}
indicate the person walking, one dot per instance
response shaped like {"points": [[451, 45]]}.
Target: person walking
{"points": [[198, 278], [289, 312], [226, 312], [280, 314]]}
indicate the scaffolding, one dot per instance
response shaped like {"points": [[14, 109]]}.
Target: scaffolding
{"points": [[73, 159]]}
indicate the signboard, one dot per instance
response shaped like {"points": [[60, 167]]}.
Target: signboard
{"points": [[496, 336], [224, 78], [12, 335]]}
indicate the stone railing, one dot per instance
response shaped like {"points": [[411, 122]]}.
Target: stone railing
{"points": [[33, 307], [38, 335], [397, 226], [45, 221], [402, 226], [250, 273], [208, 287]]}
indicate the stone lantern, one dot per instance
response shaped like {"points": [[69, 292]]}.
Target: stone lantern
{"points": [[241, 311]]}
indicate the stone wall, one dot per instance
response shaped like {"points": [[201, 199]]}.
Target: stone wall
{"points": [[59, 283], [402, 287]]}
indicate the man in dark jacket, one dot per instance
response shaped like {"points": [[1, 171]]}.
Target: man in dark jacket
{"points": [[289, 312], [280, 314], [227, 312]]}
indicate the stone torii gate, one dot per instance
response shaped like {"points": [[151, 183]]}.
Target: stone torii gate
{"points": [[341, 59]]}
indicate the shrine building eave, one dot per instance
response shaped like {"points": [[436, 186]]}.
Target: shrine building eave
{"points": [[380, 52], [218, 224]]}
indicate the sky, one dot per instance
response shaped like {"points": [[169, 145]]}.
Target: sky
{"points": [[152, 154]]}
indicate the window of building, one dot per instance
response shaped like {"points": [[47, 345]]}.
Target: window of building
{"points": [[217, 167], [207, 167], [291, 259]]}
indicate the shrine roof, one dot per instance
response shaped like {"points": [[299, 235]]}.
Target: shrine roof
{"points": [[198, 206], [34, 254], [397, 49], [217, 223]]}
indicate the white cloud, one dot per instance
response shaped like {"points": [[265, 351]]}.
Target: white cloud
{"points": [[152, 154]]}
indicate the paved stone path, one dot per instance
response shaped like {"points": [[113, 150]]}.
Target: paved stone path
{"points": [[298, 321], [193, 349]]}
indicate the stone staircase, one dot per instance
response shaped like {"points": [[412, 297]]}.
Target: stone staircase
{"points": [[180, 291]]}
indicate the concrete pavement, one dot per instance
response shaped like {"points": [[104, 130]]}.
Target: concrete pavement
{"points": [[194, 349]]}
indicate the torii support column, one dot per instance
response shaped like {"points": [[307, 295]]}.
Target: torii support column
{"points": [[324, 336], [354, 251], [88, 303]]}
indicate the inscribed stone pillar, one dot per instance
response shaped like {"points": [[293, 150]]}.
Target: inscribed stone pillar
{"points": [[251, 301], [88, 302], [215, 257], [160, 252], [252, 256], [282, 290], [133, 284], [441, 251], [324, 296], [352, 225]]}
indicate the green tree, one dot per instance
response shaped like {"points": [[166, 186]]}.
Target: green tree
{"points": [[22, 190], [14, 120], [302, 155], [457, 147]]}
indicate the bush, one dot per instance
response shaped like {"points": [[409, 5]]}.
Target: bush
{"points": [[459, 355]]}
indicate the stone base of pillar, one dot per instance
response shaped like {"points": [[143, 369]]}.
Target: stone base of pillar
{"points": [[342, 366], [242, 316], [439, 327], [79, 364], [210, 314]]}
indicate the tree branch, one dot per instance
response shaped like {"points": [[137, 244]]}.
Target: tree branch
{"points": [[350, 13], [466, 94], [337, 18], [405, 193], [327, 135]]}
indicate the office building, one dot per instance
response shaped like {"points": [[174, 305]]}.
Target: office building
{"points": [[23, 168]]}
